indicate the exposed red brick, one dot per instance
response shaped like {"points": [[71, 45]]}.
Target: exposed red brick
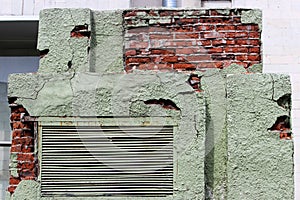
{"points": [[254, 35], [161, 36], [183, 29], [11, 188], [215, 50], [25, 157], [130, 14], [187, 21], [225, 28], [206, 65], [162, 51], [138, 45], [16, 148], [197, 39], [138, 60], [165, 13], [254, 50], [205, 27], [198, 57], [14, 181], [187, 51], [184, 66], [170, 59], [17, 133], [213, 35], [254, 58], [241, 57], [187, 36], [236, 50], [236, 34], [131, 52], [252, 27], [218, 42], [27, 165]]}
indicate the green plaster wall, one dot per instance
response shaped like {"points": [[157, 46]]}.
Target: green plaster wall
{"points": [[260, 165], [222, 147]]}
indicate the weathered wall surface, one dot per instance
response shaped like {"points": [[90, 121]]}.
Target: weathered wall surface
{"points": [[259, 163], [79, 75], [191, 39]]}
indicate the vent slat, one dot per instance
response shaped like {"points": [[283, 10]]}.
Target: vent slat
{"points": [[107, 161]]}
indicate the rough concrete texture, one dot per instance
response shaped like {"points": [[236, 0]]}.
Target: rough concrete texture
{"points": [[260, 165], [55, 35], [252, 16], [251, 163], [27, 190], [106, 54], [213, 84], [93, 94], [102, 52]]}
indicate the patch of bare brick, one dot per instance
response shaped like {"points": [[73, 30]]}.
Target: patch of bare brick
{"points": [[25, 162], [200, 39], [282, 125], [80, 31]]}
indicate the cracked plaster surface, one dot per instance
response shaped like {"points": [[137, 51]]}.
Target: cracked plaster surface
{"points": [[259, 163], [84, 91]]}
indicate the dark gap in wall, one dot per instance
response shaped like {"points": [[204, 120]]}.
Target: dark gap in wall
{"points": [[165, 103], [69, 64], [282, 125], [43, 52], [285, 101], [80, 31]]}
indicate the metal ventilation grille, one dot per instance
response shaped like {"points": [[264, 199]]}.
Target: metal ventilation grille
{"points": [[107, 161]]}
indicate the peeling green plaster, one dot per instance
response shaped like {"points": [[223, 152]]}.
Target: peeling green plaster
{"points": [[252, 16], [260, 165], [86, 89], [93, 94], [27, 190], [213, 83], [106, 54], [13, 165], [54, 34]]}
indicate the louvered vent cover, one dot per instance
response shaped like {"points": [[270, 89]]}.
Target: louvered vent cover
{"points": [[107, 161]]}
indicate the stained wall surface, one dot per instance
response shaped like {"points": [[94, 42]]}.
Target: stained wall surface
{"points": [[73, 81]]}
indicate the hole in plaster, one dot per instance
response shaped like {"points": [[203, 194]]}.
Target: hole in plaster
{"points": [[195, 81], [285, 101], [43, 52], [69, 64], [88, 50], [165, 103], [283, 126], [80, 31], [12, 100]]}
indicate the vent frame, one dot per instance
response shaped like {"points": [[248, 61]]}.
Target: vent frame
{"points": [[104, 122]]}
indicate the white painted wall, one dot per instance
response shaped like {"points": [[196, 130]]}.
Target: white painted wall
{"points": [[33, 7]]}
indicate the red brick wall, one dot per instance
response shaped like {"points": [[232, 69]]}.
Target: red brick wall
{"points": [[189, 40], [23, 160]]}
